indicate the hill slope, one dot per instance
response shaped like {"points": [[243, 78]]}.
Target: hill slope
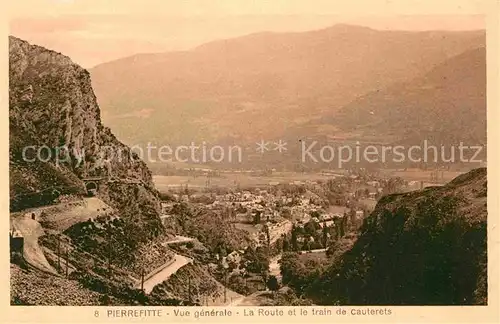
{"points": [[260, 85], [52, 106], [420, 248], [446, 105]]}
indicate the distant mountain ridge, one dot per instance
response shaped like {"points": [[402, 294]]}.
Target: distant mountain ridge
{"points": [[263, 85], [448, 104]]}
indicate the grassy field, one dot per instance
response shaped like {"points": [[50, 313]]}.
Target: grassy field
{"points": [[243, 180], [233, 180], [251, 229]]}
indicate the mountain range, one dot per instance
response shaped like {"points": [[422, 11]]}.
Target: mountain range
{"points": [[340, 82], [425, 247]]}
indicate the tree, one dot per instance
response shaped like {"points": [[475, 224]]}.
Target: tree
{"points": [[295, 247], [286, 245], [255, 261], [265, 275], [352, 217], [343, 223], [279, 244], [295, 273], [238, 284], [393, 185], [307, 244], [338, 227], [325, 235], [268, 236], [220, 249], [315, 214], [272, 283], [329, 251], [311, 227], [256, 217]]}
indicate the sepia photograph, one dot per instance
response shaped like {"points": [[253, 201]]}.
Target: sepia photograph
{"points": [[167, 154]]}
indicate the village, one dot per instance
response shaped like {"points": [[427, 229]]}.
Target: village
{"points": [[306, 217], [312, 214]]}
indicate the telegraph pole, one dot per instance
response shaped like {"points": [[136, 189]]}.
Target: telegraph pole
{"points": [[109, 252], [142, 279], [67, 261], [189, 289], [225, 285], [59, 252]]}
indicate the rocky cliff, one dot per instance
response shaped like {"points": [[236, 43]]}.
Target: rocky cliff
{"points": [[52, 103], [427, 247], [53, 108], [57, 139]]}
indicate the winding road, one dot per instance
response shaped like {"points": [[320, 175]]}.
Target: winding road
{"points": [[31, 230], [159, 276], [274, 266], [178, 239]]}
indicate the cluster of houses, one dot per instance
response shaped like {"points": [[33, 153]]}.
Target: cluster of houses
{"points": [[276, 230]]}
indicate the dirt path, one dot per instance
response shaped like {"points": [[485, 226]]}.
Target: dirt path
{"points": [[274, 266]]}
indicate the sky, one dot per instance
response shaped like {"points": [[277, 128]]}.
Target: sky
{"points": [[96, 31]]}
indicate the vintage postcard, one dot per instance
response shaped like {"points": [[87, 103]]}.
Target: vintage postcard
{"points": [[250, 161]]}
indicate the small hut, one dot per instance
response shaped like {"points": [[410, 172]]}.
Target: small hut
{"points": [[16, 241]]}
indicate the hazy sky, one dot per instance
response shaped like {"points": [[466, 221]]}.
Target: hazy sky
{"points": [[96, 31]]}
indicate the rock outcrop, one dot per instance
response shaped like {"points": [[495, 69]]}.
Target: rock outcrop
{"points": [[52, 103], [427, 247], [53, 111]]}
